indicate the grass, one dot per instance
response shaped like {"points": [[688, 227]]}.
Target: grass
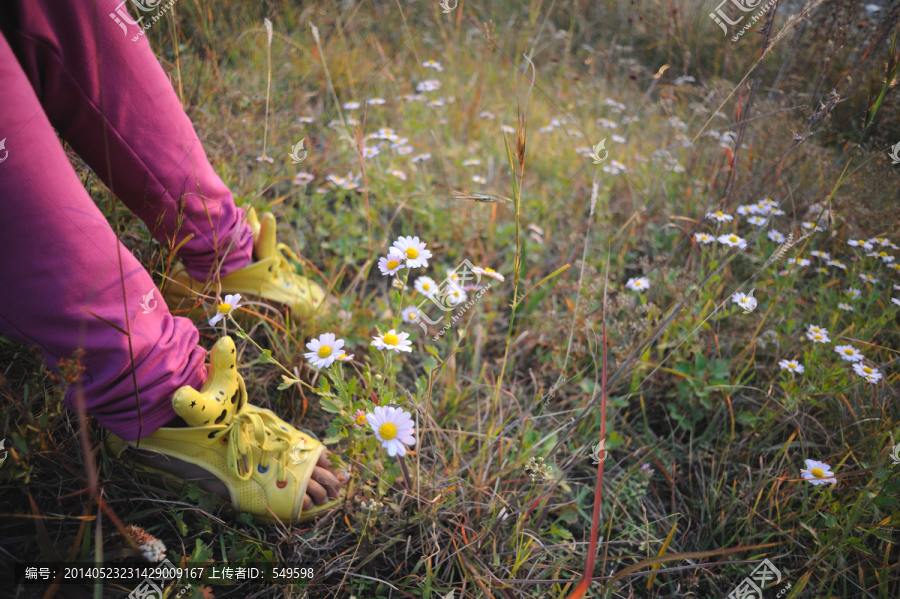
{"points": [[705, 434]]}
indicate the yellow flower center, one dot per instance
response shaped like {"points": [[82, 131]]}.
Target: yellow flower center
{"points": [[426, 286], [224, 308], [720, 213], [817, 336], [392, 264], [387, 431], [492, 270], [733, 239], [883, 254], [324, 351], [411, 315], [867, 370], [412, 253], [391, 339], [849, 352], [360, 419], [818, 472]]}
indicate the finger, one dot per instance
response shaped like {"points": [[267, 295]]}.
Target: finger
{"points": [[324, 462], [307, 502], [317, 492], [328, 480]]}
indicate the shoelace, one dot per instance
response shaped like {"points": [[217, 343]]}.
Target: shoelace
{"points": [[284, 256], [262, 430]]}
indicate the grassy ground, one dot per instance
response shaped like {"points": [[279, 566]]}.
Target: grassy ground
{"points": [[706, 434]]}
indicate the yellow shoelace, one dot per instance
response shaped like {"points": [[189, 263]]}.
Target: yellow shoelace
{"points": [[262, 430]]}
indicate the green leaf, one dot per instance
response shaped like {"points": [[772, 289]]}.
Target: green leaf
{"points": [[288, 382], [266, 357], [182, 527], [330, 440], [331, 405]]}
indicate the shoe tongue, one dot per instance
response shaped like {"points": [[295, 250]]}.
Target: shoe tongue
{"points": [[221, 397]]}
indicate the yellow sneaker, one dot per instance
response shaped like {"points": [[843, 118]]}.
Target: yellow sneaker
{"points": [[271, 277], [246, 454]]}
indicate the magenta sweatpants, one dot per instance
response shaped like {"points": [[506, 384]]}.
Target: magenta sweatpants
{"points": [[67, 65]]}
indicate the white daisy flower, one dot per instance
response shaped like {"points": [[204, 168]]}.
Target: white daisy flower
{"points": [[265, 158], [798, 261], [614, 168], [399, 174], [638, 284], [870, 374], [756, 220], [618, 139], [352, 122], [860, 243], [394, 428], [818, 473], [853, 293], [455, 295], [837, 263], [433, 64], [486, 115], [792, 366], [507, 129], [732, 240], [324, 350], [882, 241], [849, 353], [895, 300], [488, 272], [375, 101], [744, 301], [390, 265], [677, 168], [413, 97], [775, 236], [744, 209], [429, 85], [479, 179], [404, 150], [868, 278], [822, 255], [818, 336], [393, 340], [845, 307], [421, 157], [426, 286], [369, 152], [811, 225], [228, 305], [436, 102], [704, 238], [607, 123], [411, 314], [471, 162], [719, 216], [412, 250], [351, 105], [885, 257], [305, 119], [303, 178], [577, 133]]}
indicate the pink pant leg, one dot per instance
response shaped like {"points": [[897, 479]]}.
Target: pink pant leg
{"points": [[110, 99], [60, 262]]}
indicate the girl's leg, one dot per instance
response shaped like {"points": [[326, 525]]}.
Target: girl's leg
{"points": [[67, 283], [110, 99]]}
